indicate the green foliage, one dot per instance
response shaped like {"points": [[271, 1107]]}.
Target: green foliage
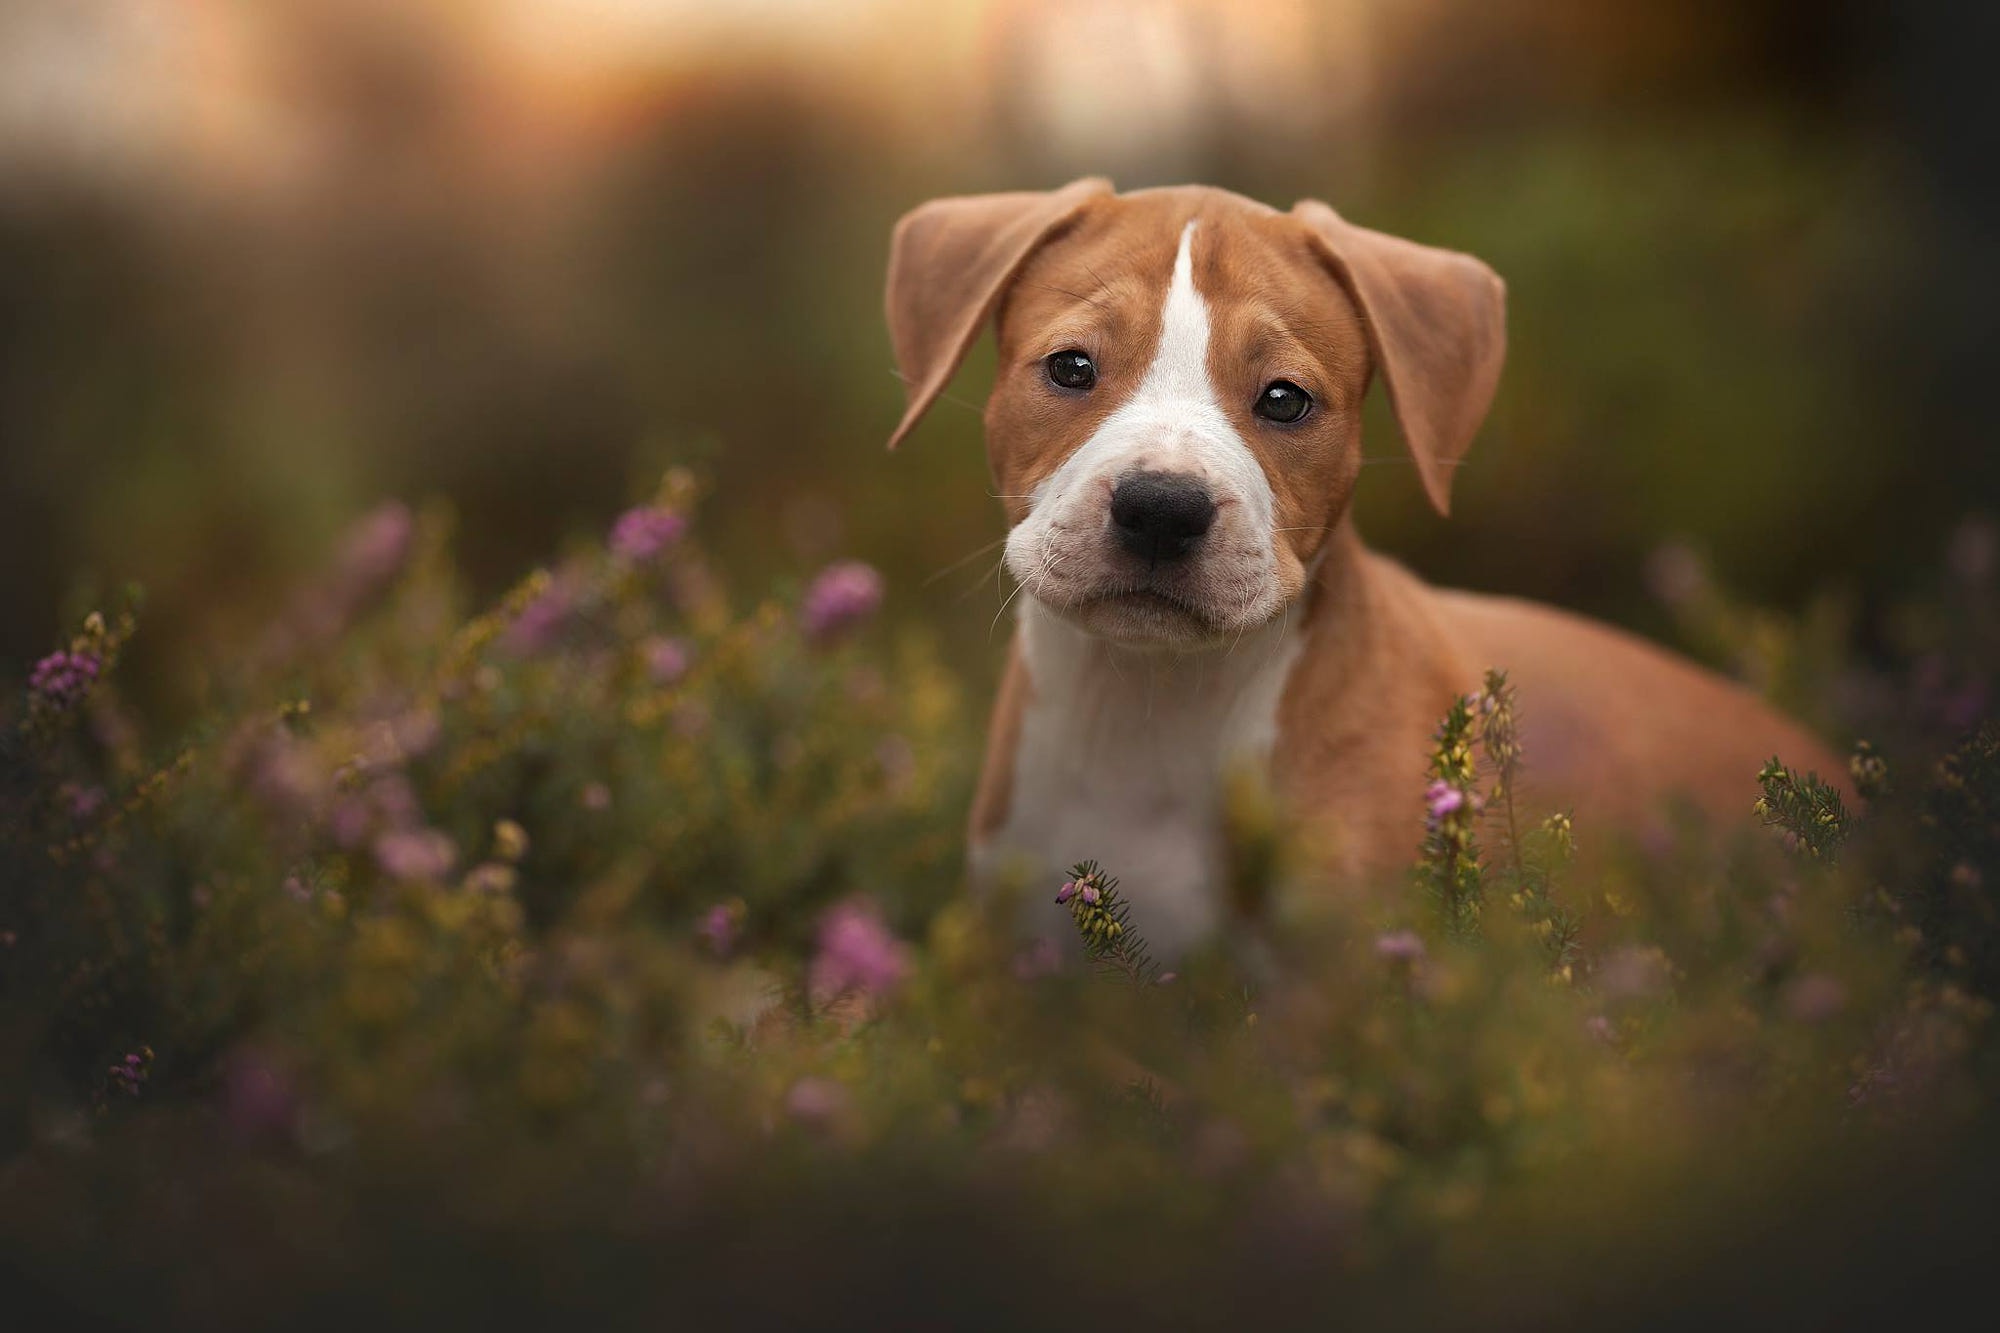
{"points": [[1805, 810], [1449, 864], [1103, 923], [1454, 876], [447, 923]]}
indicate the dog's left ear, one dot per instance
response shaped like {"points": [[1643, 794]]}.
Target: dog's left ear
{"points": [[949, 263], [1437, 326]]}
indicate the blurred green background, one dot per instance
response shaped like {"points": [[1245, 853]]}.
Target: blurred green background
{"points": [[264, 265]]}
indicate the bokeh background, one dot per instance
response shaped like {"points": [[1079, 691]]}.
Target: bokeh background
{"points": [[264, 265]]}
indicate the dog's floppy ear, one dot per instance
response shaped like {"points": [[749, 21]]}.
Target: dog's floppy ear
{"points": [[949, 263], [1437, 326]]}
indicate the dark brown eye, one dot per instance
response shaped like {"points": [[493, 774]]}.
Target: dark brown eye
{"points": [[1072, 370], [1283, 402]]}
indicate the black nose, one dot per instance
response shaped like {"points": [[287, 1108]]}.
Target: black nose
{"points": [[1160, 515]]}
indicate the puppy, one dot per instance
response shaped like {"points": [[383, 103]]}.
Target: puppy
{"points": [[1175, 431]]}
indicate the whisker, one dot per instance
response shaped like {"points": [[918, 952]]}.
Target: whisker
{"points": [[963, 561], [1003, 609], [980, 582]]}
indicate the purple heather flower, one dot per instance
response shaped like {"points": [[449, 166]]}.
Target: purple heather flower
{"points": [[857, 952], [376, 546], [491, 877], [63, 678], [1090, 893], [83, 801], [128, 1076], [1039, 958], [1599, 1027], [286, 775], [1443, 799], [667, 659], [1067, 891], [416, 732], [542, 620], [718, 927], [416, 854], [595, 796], [814, 1101], [1404, 946], [841, 597], [1634, 973], [642, 534]]}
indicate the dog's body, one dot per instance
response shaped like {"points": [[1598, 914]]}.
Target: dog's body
{"points": [[1196, 597]]}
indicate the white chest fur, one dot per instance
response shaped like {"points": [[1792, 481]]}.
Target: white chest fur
{"points": [[1121, 758]]}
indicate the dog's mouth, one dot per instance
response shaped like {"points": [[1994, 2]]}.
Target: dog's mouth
{"points": [[1144, 614]]}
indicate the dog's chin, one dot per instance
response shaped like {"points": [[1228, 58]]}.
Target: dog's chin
{"points": [[1146, 618]]}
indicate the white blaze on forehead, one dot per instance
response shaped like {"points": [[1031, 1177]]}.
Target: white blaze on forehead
{"points": [[1173, 422], [1180, 368]]}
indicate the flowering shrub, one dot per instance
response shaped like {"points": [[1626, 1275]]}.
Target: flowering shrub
{"points": [[621, 926]]}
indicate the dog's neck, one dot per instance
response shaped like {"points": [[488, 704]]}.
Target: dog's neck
{"points": [[1212, 703]]}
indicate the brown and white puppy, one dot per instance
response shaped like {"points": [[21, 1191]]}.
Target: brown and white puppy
{"points": [[1175, 430]]}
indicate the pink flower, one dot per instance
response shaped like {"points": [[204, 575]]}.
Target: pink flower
{"points": [[814, 1101], [1633, 973], [286, 775], [542, 621], [719, 926], [666, 659], [642, 534], [63, 678], [857, 952], [1067, 891], [416, 854], [1039, 959], [1441, 799], [841, 597], [375, 547], [83, 801], [1403, 946]]}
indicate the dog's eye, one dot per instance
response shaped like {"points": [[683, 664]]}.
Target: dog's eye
{"points": [[1283, 402], [1072, 370]]}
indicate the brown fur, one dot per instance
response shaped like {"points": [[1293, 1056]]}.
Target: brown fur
{"points": [[1613, 725]]}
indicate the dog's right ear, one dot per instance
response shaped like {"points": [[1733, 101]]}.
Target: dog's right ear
{"points": [[949, 263]]}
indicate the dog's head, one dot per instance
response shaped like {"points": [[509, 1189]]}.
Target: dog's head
{"points": [[1175, 423]]}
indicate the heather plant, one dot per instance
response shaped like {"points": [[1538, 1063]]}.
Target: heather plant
{"points": [[1103, 922], [617, 927], [1805, 810]]}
